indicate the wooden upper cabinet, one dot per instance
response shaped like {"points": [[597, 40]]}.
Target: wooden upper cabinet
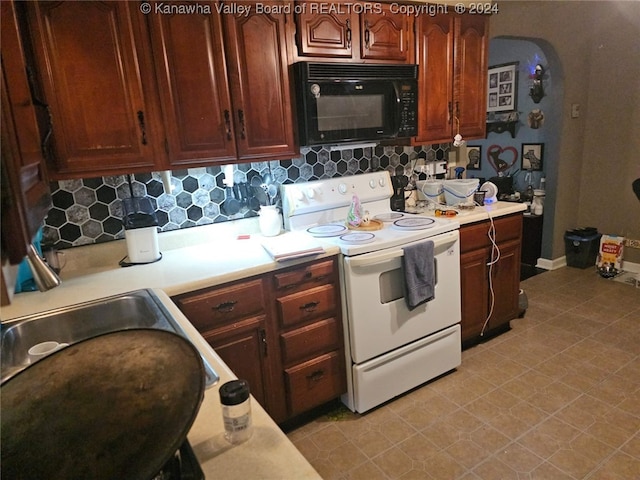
{"points": [[470, 82], [366, 32], [97, 86], [328, 35], [452, 55], [385, 35], [194, 92], [435, 45], [26, 197], [260, 90]]}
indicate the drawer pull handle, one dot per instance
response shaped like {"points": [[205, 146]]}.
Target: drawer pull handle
{"points": [[309, 307], [315, 376], [225, 307]]}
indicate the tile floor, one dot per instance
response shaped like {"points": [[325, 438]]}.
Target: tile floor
{"points": [[556, 397]]}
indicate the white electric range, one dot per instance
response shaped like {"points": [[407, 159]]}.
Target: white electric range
{"points": [[389, 348]]}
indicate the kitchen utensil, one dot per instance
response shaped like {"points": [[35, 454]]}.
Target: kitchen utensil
{"points": [[251, 200], [231, 205], [117, 405], [260, 195], [238, 192], [272, 192], [256, 180]]}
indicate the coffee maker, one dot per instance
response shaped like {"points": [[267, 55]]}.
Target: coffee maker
{"points": [[398, 182]]}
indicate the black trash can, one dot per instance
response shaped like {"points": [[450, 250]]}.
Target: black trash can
{"points": [[581, 247]]}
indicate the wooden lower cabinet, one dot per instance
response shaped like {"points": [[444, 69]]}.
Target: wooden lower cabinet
{"points": [[281, 331], [489, 277]]}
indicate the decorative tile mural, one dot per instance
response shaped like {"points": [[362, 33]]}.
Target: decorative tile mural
{"points": [[90, 210]]}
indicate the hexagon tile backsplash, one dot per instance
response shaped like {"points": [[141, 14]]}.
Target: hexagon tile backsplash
{"points": [[90, 210]]}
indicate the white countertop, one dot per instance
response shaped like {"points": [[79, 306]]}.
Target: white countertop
{"points": [[217, 257], [497, 209], [268, 454], [193, 259]]}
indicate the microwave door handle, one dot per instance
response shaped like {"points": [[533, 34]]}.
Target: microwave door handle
{"points": [[378, 257]]}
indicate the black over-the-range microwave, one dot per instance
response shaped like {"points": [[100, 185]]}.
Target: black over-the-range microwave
{"points": [[345, 102]]}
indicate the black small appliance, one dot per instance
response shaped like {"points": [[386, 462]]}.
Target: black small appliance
{"points": [[398, 182], [346, 103], [504, 185]]}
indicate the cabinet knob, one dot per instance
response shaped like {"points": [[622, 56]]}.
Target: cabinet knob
{"points": [[143, 129], [315, 376], [225, 307], [241, 120], [309, 307], [227, 123], [366, 34]]}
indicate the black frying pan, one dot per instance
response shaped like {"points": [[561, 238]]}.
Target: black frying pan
{"points": [[114, 406]]}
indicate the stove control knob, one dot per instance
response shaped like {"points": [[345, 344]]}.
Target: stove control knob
{"points": [[372, 183], [311, 192], [298, 195], [342, 188], [381, 181]]}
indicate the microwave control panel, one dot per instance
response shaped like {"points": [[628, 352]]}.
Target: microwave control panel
{"points": [[408, 109]]}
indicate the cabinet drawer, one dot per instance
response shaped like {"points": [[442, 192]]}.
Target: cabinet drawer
{"points": [[318, 337], [475, 236], [307, 305], [315, 382], [211, 308], [508, 228], [315, 272]]}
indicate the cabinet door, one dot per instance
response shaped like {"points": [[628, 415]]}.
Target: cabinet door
{"points": [[474, 292], [93, 76], [191, 71], [385, 36], [435, 51], [242, 347], [259, 79], [470, 80], [26, 197], [324, 35], [506, 282]]}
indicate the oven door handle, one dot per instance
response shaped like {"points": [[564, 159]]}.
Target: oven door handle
{"points": [[378, 257]]}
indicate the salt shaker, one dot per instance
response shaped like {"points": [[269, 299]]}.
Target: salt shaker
{"points": [[236, 411]]}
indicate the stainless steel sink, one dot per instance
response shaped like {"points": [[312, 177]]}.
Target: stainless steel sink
{"points": [[69, 325]]}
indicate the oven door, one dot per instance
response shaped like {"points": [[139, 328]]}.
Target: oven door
{"points": [[378, 319]]}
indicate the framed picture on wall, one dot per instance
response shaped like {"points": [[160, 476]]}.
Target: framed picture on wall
{"points": [[474, 157], [502, 88], [532, 156]]}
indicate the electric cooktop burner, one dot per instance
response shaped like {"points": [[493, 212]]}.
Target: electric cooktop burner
{"points": [[414, 223], [327, 230], [389, 217], [358, 238]]}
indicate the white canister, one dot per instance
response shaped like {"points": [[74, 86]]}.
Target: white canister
{"points": [[270, 221], [537, 206]]}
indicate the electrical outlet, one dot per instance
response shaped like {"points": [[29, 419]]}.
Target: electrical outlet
{"points": [[631, 243]]}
